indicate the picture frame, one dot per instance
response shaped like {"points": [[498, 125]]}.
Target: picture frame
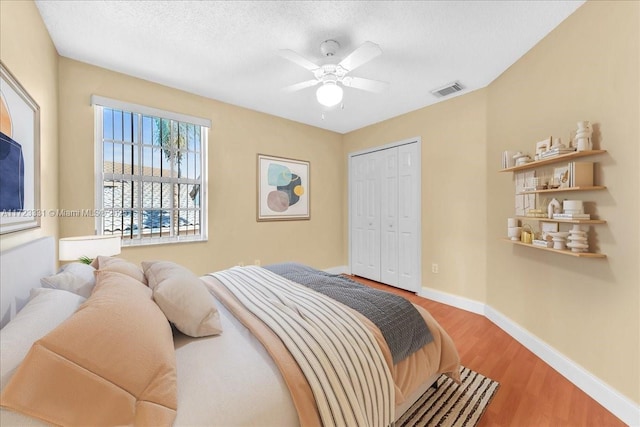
{"points": [[282, 189], [561, 176], [20, 162]]}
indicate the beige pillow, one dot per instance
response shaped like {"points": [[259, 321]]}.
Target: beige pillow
{"points": [[183, 298], [73, 277], [111, 363], [46, 309], [119, 265]]}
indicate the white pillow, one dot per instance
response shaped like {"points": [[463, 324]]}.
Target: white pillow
{"points": [[74, 277], [183, 298], [46, 309]]}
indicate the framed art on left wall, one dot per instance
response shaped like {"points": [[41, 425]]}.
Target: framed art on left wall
{"points": [[19, 156], [283, 189]]}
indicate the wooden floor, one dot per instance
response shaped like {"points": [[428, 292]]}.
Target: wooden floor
{"points": [[531, 393]]}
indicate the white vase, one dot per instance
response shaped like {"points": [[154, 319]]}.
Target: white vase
{"points": [[583, 144]]}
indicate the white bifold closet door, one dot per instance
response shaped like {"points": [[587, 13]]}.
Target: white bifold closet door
{"points": [[385, 216], [365, 214]]}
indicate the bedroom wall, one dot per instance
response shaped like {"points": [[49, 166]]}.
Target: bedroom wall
{"points": [[29, 54], [586, 69], [454, 204], [589, 310], [236, 136]]}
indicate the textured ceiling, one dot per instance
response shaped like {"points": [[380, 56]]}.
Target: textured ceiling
{"points": [[228, 50]]}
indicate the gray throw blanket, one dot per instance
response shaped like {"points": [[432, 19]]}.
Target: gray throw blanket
{"points": [[401, 324]]}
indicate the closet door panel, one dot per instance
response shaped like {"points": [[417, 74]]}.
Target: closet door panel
{"points": [[358, 230], [389, 217], [408, 217], [365, 216]]}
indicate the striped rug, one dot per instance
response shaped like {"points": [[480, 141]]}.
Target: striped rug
{"points": [[453, 405]]}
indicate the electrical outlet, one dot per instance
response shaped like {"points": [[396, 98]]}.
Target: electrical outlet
{"points": [[434, 268], [240, 263], [257, 262]]}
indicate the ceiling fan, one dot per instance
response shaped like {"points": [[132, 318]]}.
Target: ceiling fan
{"points": [[330, 76]]}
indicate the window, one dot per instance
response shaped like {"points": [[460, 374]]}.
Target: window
{"points": [[150, 174]]}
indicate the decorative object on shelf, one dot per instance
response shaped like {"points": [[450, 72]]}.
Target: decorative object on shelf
{"points": [[542, 147], [572, 209], [546, 240], [559, 239], [561, 176], [539, 184], [571, 216], [580, 174], [526, 236], [578, 241], [514, 233], [513, 229], [536, 213], [557, 148], [524, 183], [553, 208], [521, 159], [583, 136], [507, 159], [546, 228], [543, 243], [573, 206]]}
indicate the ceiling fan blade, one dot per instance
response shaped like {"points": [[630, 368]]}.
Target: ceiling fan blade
{"points": [[365, 84], [298, 59], [301, 85], [363, 54]]}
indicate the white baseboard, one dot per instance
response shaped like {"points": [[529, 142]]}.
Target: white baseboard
{"points": [[341, 269], [462, 303], [619, 405]]}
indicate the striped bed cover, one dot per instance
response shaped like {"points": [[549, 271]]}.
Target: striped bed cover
{"points": [[339, 356]]}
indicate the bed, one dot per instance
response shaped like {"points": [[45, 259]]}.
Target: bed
{"points": [[243, 376]]}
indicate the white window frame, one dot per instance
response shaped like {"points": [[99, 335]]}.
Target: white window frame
{"points": [[99, 103]]}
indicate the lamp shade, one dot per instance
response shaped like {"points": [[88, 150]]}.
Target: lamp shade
{"points": [[329, 94], [73, 248]]}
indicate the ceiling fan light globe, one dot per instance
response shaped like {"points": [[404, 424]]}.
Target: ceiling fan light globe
{"points": [[329, 94]]}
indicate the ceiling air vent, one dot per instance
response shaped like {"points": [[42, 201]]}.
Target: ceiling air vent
{"points": [[448, 89]]}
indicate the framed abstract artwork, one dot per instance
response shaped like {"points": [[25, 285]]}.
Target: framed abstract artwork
{"points": [[19, 156], [283, 189]]}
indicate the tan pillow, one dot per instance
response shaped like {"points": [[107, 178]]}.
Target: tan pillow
{"points": [[183, 298], [119, 265], [111, 363]]}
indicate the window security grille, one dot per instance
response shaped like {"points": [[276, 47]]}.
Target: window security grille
{"points": [[151, 177]]}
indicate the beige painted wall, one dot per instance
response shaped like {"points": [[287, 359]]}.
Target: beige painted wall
{"points": [[237, 135], [454, 205], [29, 54], [586, 69]]}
